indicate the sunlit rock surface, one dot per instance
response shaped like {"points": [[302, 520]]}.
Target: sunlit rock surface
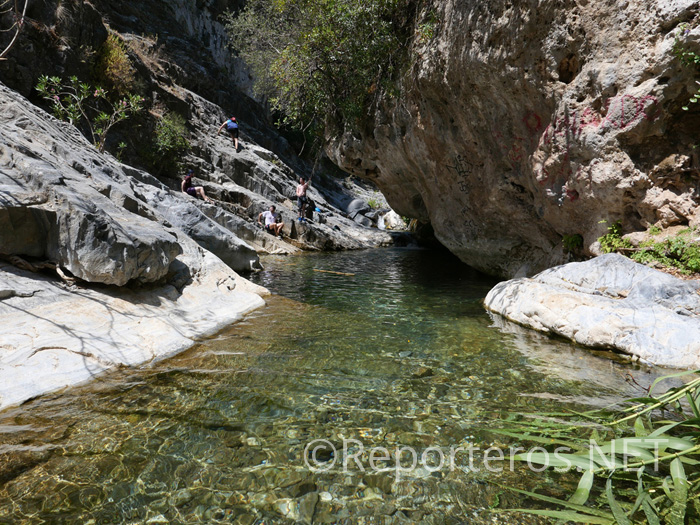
{"points": [[156, 268], [521, 123], [609, 302], [63, 201]]}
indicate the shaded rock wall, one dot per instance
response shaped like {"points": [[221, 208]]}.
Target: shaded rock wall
{"points": [[522, 122]]}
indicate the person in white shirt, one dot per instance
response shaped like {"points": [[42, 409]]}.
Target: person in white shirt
{"points": [[273, 224]]}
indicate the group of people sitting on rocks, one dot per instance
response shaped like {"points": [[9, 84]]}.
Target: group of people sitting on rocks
{"points": [[273, 221]]}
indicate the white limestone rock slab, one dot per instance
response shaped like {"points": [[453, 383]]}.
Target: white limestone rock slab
{"points": [[54, 335], [609, 302]]}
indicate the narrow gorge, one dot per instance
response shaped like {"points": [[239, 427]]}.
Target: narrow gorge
{"points": [[489, 286]]}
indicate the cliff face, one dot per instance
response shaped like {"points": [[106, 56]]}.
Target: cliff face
{"points": [[524, 122]]}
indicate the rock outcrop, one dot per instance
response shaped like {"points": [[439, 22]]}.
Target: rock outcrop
{"points": [[181, 65], [63, 201], [55, 335], [609, 302], [524, 122]]}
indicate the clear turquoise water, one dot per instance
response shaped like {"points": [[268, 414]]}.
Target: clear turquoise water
{"points": [[401, 353]]}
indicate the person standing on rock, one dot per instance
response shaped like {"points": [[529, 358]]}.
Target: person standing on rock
{"points": [[302, 199], [190, 189], [231, 126], [272, 223]]}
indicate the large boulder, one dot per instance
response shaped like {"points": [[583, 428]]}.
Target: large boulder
{"points": [[50, 209], [609, 302], [356, 206], [56, 335], [520, 123], [63, 204]]}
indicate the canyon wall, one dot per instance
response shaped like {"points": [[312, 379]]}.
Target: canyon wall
{"points": [[521, 124]]}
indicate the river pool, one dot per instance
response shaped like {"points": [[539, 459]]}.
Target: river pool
{"points": [[296, 413]]}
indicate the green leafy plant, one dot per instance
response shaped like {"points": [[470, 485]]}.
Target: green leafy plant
{"points": [[87, 107], [170, 138], [113, 68], [426, 29], [646, 466], [375, 202], [679, 252], [694, 98], [686, 56], [681, 51], [572, 243], [120, 150], [613, 241], [676, 252]]}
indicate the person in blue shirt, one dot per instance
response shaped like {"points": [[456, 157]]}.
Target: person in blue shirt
{"points": [[231, 126]]}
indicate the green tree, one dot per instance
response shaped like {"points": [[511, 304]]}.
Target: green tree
{"points": [[321, 62], [170, 142]]}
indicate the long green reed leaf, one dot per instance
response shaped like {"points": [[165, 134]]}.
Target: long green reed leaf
{"points": [[570, 516], [650, 513], [560, 461], [538, 439], [679, 495], [618, 512], [573, 506], [583, 491], [670, 376], [639, 429]]}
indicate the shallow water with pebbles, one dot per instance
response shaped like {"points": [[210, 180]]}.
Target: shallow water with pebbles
{"points": [[398, 355]]}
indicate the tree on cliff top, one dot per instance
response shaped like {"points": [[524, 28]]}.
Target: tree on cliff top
{"points": [[321, 62]]}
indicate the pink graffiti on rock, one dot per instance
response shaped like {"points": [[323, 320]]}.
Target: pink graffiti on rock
{"points": [[620, 113]]}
